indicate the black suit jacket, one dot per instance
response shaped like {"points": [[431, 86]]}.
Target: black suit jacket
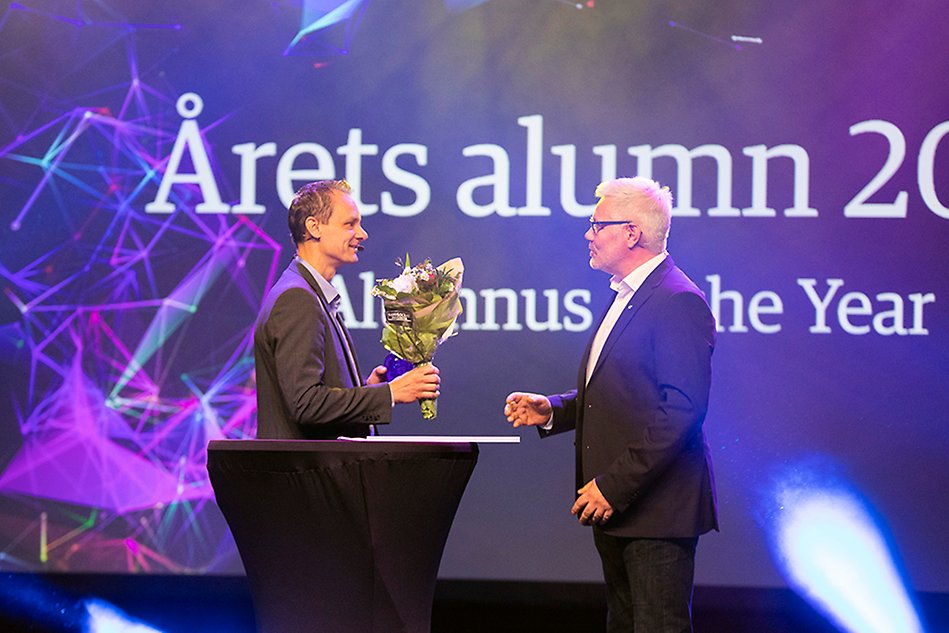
{"points": [[305, 386], [639, 419]]}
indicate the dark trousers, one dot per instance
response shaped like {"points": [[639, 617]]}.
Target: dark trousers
{"points": [[648, 583]]}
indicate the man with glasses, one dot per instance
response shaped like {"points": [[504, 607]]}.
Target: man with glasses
{"points": [[644, 470], [308, 381]]}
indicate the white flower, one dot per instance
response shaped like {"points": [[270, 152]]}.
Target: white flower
{"points": [[404, 283]]}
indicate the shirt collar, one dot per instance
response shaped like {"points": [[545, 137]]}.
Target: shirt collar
{"points": [[329, 291], [631, 282]]}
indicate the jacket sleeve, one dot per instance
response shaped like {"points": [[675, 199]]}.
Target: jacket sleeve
{"points": [[301, 334], [565, 412]]}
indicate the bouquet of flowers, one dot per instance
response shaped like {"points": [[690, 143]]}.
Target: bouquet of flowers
{"points": [[421, 306]]}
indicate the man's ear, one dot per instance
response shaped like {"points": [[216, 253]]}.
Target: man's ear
{"points": [[633, 235], [312, 228]]}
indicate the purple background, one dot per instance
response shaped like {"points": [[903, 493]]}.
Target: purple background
{"points": [[124, 335]]}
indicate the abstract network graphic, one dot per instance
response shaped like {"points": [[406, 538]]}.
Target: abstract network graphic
{"points": [[128, 333], [125, 336]]}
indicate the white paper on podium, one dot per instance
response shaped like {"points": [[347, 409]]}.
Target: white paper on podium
{"points": [[439, 439]]}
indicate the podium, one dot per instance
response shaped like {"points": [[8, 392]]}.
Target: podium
{"points": [[340, 536]]}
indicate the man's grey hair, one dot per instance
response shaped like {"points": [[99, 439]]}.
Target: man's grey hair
{"points": [[646, 203]]}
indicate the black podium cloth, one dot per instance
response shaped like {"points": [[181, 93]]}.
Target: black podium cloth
{"points": [[340, 536]]}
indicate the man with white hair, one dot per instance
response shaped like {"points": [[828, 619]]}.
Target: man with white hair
{"points": [[644, 470]]}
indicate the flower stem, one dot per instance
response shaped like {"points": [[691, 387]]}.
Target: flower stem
{"points": [[429, 408]]}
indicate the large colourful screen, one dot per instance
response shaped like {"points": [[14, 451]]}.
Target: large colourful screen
{"points": [[148, 151]]}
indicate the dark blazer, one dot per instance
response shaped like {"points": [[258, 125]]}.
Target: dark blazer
{"points": [[639, 420], [305, 387]]}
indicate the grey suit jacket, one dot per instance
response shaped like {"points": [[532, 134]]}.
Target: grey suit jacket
{"points": [[639, 419], [305, 387]]}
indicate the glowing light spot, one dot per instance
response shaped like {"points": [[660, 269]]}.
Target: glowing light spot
{"points": [[104, 618], [832, 552]]}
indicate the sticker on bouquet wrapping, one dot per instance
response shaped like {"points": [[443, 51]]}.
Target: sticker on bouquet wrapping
{"points": [[399, 316]]}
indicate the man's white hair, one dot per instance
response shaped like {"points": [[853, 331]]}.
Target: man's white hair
{"points": [[646, 203]]}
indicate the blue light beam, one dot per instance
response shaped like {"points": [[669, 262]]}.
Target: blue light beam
{"points": [[105, 618], [30, 601], [831, 551]]}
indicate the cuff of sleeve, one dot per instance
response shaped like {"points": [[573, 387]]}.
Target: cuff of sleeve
{"points": [[611, 492], [549, 424]]}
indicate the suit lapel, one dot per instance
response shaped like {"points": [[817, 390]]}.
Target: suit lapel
{"points": [[582, 376], [340, 333], [352, 349], [637, 301]]}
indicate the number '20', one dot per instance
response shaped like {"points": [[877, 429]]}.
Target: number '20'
{"points": [[860, 208]]}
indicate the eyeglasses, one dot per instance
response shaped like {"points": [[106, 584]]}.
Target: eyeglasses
{"points": [[596, 225]]}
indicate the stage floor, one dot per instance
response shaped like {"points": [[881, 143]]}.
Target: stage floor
{"points": [[221, 604]]}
